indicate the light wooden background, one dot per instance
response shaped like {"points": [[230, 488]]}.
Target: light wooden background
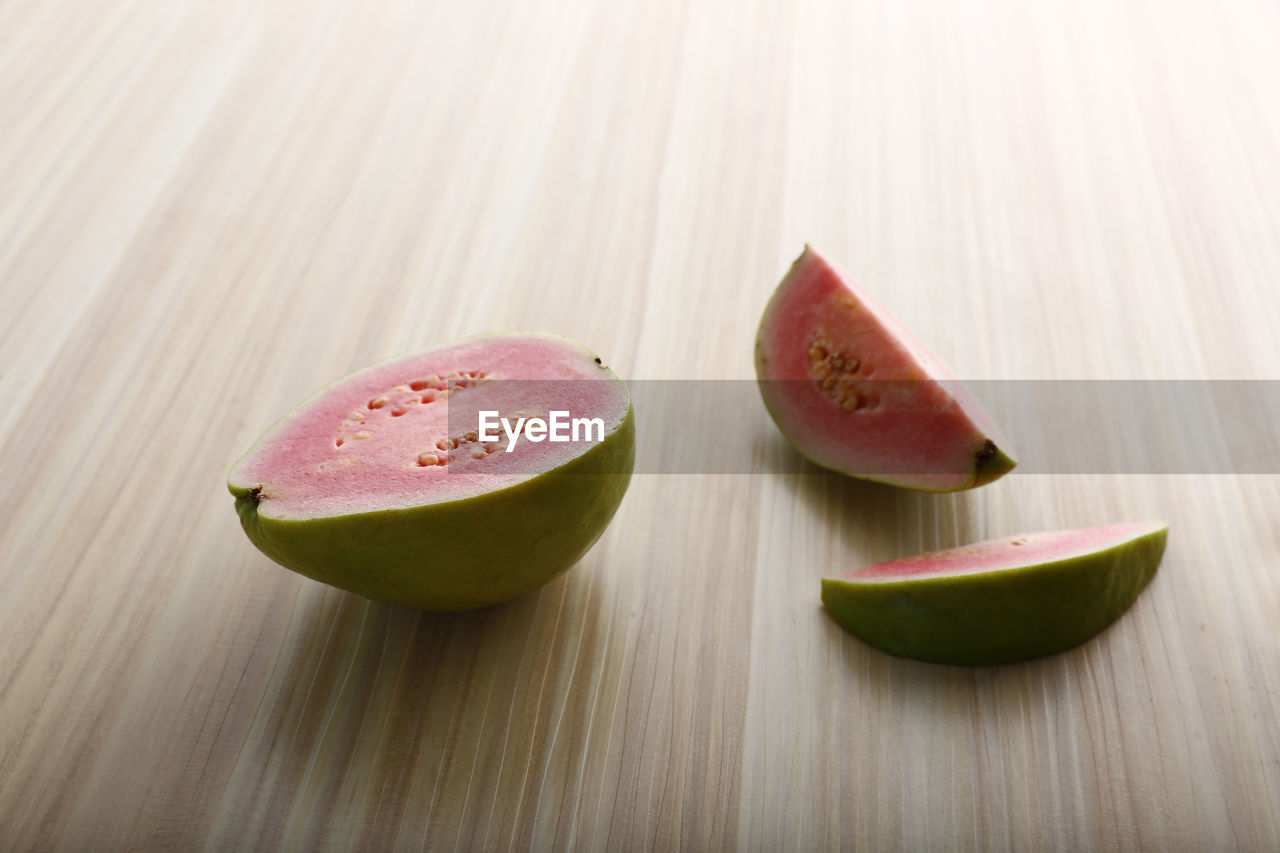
{"points": [[208, 209]]}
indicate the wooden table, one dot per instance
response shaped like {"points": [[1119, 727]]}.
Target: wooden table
{"points": [[208, 209]]}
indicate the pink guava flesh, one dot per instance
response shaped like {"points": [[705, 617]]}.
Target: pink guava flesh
{"points": [[383, 438], [1011, 552], [857, 392]]}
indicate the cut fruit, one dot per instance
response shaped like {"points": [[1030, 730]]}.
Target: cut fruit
{"points": [[856, 392], [384, 483], [1002, 601]]}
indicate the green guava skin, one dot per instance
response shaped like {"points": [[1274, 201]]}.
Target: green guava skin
{"points": [[1000, 617], [461, 554], [990, 464]]}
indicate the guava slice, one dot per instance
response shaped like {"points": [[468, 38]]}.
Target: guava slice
{"points": [[854, 391], [1002, 601], [381, 483]]}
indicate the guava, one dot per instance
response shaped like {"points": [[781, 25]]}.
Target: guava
{"points": [[384, 485], [1002, 601], [856, 392]]}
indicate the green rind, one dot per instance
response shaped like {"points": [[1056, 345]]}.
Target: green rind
{"points": [[998, 617], [991, 467], [463, 554]]}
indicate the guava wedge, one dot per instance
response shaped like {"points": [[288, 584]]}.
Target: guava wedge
{"points": [[1002, 601], [854, 391], [384, 485]]}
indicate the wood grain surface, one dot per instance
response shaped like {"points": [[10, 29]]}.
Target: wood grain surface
{"points": [[209, 209]]}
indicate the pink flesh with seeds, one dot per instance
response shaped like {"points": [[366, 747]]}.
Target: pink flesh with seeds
{"points": [[892, 405], [1011, 552], [383, 438]]}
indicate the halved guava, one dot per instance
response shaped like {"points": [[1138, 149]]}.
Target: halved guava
{"points": [[856, 392], [1002, 601], [382, 483]]}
